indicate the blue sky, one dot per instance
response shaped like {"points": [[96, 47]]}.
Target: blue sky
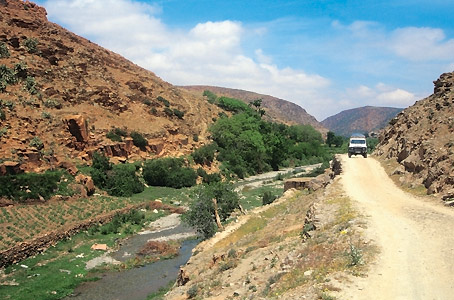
{"points": [[326, 55]]}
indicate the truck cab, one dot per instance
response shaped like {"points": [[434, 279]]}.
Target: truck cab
{"points": [[357, 145]]}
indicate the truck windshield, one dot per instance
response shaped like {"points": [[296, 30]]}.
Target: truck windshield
{"points": [[358, 141]]}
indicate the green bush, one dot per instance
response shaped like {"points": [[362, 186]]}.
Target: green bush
{"points": [[30, 85], [208, 178], [122, 181], [119, 180], [3, 131], [21, 70], [52, 103], [7, 75], [37, 143], [195, 138], [201, 213], [178, 113], [164, 101], [168, 111], [138, 139], [232, 104], [205, 154], [168, 172], [113, 136], [147, 102], [31, 44], [46, 115], [2, 115], [4, 52], [211, 97], [30, 185], [268, 198]]}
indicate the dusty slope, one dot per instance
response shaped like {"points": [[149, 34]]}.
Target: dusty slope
{"points": [[72, 75], [414, 235], [361, 119], [421, 139]]}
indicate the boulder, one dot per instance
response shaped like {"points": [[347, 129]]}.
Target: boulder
{"points": [[10, 168], [87, 182], [77, 126], [69, 166]]}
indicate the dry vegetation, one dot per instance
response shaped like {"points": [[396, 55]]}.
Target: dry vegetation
{"points": [[267, 257]]}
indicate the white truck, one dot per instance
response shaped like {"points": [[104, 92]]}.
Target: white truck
{"points": [[357, 145]]}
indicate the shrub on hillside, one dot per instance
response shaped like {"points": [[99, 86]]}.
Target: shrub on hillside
{"points": [[208, 178], [211, 97], [232, 104], [117, 180], [205, 154], [164, 101], [113, 136], [138, 139], [178, 113], [31, 44], [168, 172], [29, 185], [4, 52], [122, 181]]}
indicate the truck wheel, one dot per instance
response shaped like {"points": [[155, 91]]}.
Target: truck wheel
{"points": [[349, 155], [365, 155]]}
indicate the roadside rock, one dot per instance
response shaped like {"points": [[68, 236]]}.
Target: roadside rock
{"points": [[421, 139]]}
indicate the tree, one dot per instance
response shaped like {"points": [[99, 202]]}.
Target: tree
{"points": [[338, 141], [212, 204], [330, 136]]}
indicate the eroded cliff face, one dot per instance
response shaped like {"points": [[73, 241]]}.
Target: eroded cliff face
{"points": [[421, 139], [66, 92]]}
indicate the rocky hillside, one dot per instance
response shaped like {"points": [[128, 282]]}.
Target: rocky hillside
{"points": [[361, 119], [61, 94], [421, 139], [277, 110]]}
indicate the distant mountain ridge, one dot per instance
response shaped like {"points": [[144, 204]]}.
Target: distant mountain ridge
{"points": [[360, 120], [278, 110]]}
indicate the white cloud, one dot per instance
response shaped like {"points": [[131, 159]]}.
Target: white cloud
{"points": [[209, 53], [379, 95], [421, 44], [213, 53]]}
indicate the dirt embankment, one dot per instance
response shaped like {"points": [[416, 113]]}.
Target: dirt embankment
{"points": [[288, 250], [414, 235]]}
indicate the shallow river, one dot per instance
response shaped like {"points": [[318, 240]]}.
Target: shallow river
{"points": [[137, 283]]}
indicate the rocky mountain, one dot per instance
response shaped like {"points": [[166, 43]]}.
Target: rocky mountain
{"points": [[421, 139], [361, 119], [277, 110], [61, 94]]}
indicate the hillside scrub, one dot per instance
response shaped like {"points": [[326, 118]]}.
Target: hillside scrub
{"points": [[31, 186], [118, 180], [248, 145], [169, 172]]}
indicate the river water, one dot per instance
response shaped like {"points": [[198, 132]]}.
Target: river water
{"points": [[138, 283]]}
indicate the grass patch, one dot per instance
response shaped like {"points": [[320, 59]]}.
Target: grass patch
{"points": [[55, 273], [252, 197]]}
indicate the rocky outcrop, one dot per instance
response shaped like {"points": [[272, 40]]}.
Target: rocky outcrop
{"points": [[10, 168], [88, 184], [78, 127], [421, 140]]}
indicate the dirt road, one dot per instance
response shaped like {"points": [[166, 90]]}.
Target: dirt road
{"points": [[415, 237]]}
